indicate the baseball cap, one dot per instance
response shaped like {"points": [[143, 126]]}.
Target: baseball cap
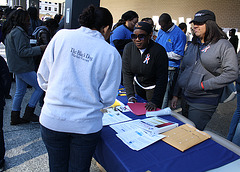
{"points": [[203, 15], [144, 26]]}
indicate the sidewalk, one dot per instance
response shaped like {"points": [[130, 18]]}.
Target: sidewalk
{"points": [[25, 151]]}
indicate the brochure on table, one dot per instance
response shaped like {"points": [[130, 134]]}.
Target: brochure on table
{"points": [[112, 116], [138, 134]]}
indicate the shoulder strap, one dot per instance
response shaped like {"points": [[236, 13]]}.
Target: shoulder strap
{"points": [[199, 54]]}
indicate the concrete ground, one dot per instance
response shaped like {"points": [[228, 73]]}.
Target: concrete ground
{"points": [[25, 151]]}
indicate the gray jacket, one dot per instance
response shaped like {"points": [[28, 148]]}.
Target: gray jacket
{"points": [[216, 66], [19, 51]]}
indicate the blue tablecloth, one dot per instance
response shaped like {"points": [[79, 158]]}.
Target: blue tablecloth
{"points": [[115, 156]]}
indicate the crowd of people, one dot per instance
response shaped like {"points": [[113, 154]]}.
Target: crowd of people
{"points": [[161, 68]]}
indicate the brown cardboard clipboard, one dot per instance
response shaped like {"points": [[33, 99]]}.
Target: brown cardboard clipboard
{"points": [[185, 137]]}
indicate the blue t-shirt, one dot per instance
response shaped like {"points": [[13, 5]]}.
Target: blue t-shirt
{"points": [[121, 32], [174, 40]]}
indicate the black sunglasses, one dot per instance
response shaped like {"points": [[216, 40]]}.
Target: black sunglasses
{"points": [[198, 23], [140, 36]]}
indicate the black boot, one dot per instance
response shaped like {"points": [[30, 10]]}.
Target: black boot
{"points": [[29, 115], [15, 118]]}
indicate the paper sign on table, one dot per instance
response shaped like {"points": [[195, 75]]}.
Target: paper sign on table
{"points": [[113, 117], [138, 139], [138, 108], [185, 137], [165, 111]]}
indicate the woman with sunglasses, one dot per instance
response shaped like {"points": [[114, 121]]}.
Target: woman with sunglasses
{"points": [[145, 67], [209, 64]]}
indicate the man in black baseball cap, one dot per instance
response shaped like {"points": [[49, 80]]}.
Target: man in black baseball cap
{"points": [[203, 15]]}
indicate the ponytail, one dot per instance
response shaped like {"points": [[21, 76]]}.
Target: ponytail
{"points": [[96, 18]]}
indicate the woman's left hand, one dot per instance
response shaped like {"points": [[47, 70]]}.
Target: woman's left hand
{"points": [[150, 106]]}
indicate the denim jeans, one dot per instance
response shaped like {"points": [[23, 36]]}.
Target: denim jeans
{"points": [[234, 129], [172, 78], [69, 152], [22, 80]]}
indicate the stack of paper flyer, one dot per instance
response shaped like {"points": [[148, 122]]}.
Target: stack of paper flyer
{"points": [[156, 125], [112, 116], [133, 136], [138, 134], [138, 139]]}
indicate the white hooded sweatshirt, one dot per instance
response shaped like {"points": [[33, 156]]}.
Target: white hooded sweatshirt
{"points": [[80, 73]]}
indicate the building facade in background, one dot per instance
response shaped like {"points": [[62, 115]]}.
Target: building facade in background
{"points": [[48, 9]]}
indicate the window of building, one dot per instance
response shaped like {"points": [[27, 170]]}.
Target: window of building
{"points": [[45, 8], [55, 9], [49, 8], [40, 7], [55, 3], [49, 2]]}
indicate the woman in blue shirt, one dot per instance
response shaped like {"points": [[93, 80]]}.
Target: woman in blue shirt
{"points": [[121, 34]]}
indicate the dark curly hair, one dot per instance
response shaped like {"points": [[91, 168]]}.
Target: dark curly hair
{"points": [[15, 18], [96, 18], [33, 13]]}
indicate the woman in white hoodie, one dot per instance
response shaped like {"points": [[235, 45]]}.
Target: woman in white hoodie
{"points": [[80, 73]]}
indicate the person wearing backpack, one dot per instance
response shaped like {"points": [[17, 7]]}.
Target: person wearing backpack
{"points": [[43, 35]]}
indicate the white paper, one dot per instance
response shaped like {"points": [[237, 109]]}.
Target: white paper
{"points": [[138, 139], [125, 126], [113, 117], [165, 111]]}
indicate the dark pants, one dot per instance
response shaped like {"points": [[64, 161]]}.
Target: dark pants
{"points": [[172, 79], [2, 146], [184, 106], [69, 152], [145, 94], [200, 114]]}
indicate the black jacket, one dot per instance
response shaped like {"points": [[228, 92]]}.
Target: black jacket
{"points": [[153, 73], [5, 81]]}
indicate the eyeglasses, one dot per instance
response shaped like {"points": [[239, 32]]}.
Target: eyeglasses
{"points": [[198, 23], [141, 37]]}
